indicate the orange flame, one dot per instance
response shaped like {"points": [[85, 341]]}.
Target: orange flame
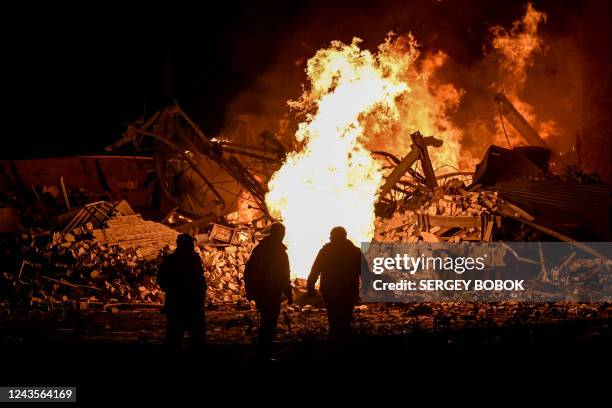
{"points": [[357, 101], [517, 49], [427, 108], [334, 179]]}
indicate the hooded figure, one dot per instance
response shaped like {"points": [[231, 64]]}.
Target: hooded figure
{"points": [[266, 278], [338, 264], [181, 276]]}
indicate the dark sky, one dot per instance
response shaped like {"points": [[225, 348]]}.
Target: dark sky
{"points": [[76, 74]]}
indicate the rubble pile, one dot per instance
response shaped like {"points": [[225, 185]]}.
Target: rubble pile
{"points": [[224, 268], [401, 227], [454, 199], [452, 213], [108, 254], [59, 269], [131, 231], [580, 276], [118, 264]]}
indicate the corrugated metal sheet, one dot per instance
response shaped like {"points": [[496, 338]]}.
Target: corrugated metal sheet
{"points": [[563, 205]]}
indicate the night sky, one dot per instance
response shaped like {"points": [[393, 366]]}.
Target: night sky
{"points": [[77, 74]]}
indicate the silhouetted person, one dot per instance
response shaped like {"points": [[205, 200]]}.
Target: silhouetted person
{"points": [[266, 278], [338, 264], [181, 276]]}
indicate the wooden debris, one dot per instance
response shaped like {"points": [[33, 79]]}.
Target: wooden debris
{"points": [[429, 237], [406, 163], [430, 176]]}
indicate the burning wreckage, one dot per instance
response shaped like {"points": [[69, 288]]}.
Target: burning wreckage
{"points": [[88, 233], [104, 256]]}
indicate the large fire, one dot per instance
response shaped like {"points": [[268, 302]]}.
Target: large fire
{"points": [[333, 179], [357, 101], [427, 108]]}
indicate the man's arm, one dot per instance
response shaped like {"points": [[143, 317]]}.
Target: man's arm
{"points": [[315, 272]]}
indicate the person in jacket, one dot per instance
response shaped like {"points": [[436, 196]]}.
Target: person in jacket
{"points": [[266, 279], [338, 265], [181, 276]]}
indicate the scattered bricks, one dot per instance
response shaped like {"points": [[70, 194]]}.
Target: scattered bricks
{"points": [[63, 267], [148, 238], [454, 202], [451, 214], [224, 267], [399, 228]]}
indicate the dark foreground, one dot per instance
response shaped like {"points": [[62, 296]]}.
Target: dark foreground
{"points": [[104, 370]]}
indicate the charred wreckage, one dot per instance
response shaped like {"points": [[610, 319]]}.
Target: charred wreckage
{"points": [[85, 235]]}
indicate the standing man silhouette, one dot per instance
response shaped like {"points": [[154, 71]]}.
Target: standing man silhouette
{"points": [[266, 278], [338, 264], [181, 276]]}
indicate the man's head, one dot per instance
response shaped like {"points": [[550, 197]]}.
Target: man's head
{"points": [[337, 234], [277, 231], [185, 242]]}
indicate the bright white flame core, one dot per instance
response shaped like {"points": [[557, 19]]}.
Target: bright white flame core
{"points": [[334, 179]]}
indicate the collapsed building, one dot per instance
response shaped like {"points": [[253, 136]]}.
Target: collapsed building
{"points": [[67, 252], [88, 233]]}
